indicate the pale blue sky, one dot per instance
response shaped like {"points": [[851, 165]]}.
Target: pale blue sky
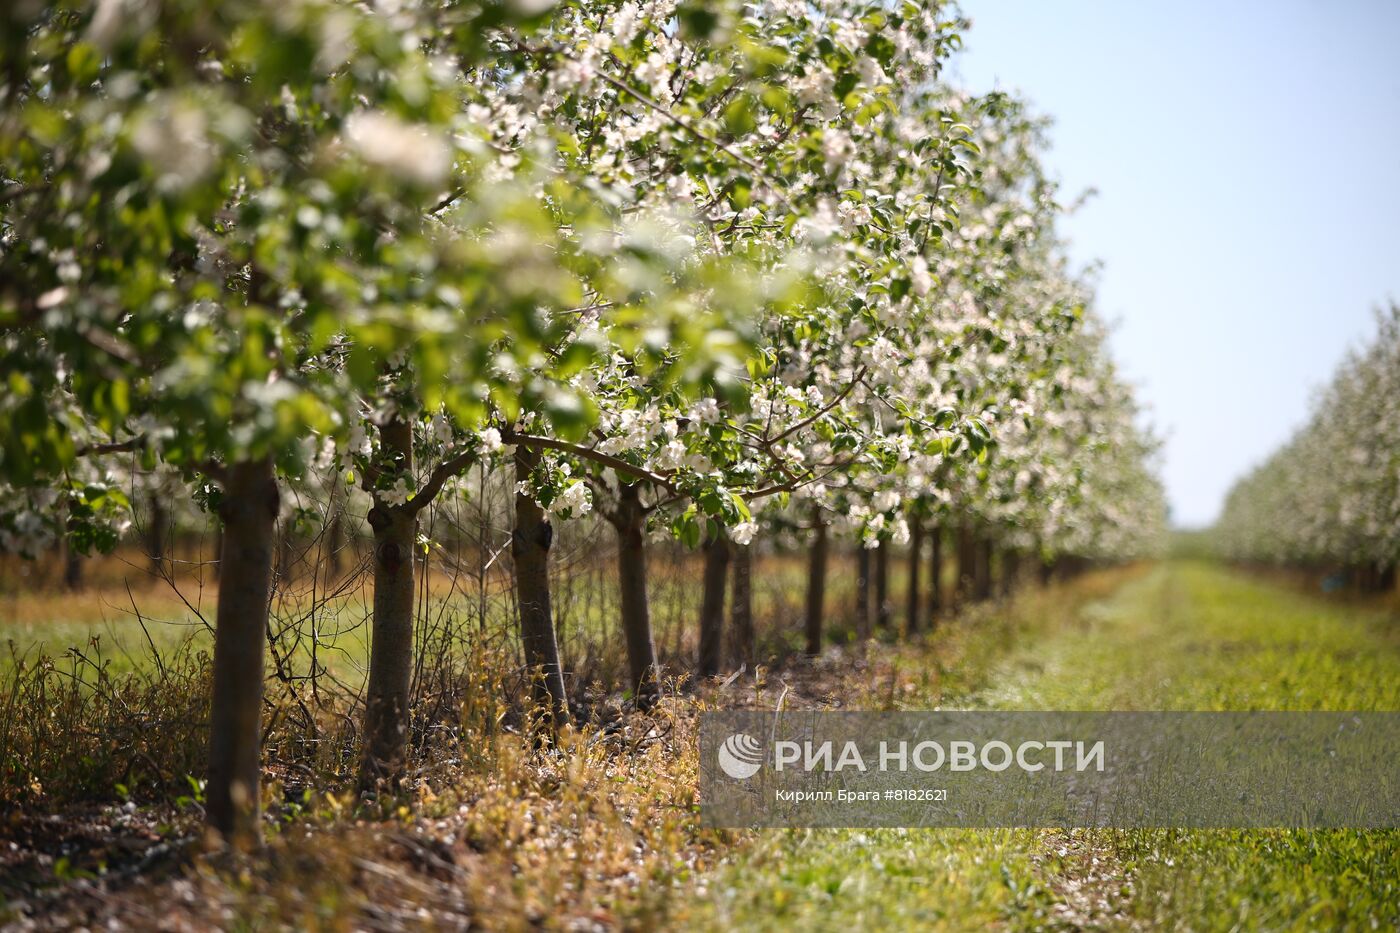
{"points": [[1247, 158]]}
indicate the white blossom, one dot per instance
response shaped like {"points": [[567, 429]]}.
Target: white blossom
{"points": [[575, 499], [743, 533], [705, 411], [397, 494], [489, 441], [409, 151]]}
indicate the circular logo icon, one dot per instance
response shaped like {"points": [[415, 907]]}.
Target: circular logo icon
{"points": [[740, 756]]}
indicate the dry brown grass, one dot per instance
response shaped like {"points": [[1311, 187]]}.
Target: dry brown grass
{"points": [[500, 831]]}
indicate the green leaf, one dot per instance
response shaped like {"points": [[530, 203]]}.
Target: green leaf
{"points": [[739, 116]]}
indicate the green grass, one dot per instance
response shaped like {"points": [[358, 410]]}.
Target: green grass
{"points": [[1185, 636], [129, 624]]}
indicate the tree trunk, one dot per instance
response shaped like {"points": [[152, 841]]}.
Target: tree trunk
{"points": [[249, 512], [966, 559], [883, 610], [741, 606], [530, 545], [1047, 571], [816, 583], [983, 570], [155, 533], [864, 592], [935, 571], [1073, 567], [716, 549], [632, 581], [72, 567], [395, 530], [912, 600], [1010, 571]]}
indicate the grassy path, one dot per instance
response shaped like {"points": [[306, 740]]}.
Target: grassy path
{"points": [[1184, 636]]}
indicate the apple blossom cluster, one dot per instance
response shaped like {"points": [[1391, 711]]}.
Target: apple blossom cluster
{"points": [[1004, 406]]}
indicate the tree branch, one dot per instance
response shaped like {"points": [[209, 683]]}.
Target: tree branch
{"points": [[18, 191], [618, 465], [113, 345], [841, 397], [438, 478], [794, 486], [115, 447]]}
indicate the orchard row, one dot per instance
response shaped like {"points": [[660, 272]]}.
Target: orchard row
{"points": [[737, 273], [1330, 497]]}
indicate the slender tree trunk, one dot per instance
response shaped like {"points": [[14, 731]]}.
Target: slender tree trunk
{"points": [[530, 545], [913, 602], [983, 569], [967, 566], [816, 583], [716, 549], [72, 567], [1047, 571], [1377, 580], [935, 571], [864, 592], [741, 606], [249, 513], [632, 580], [883, 610], [1010, 571], [395, 530], [155, 533]]}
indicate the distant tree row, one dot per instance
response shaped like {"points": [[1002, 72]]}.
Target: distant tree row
{"points": [[1330, 497]]}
